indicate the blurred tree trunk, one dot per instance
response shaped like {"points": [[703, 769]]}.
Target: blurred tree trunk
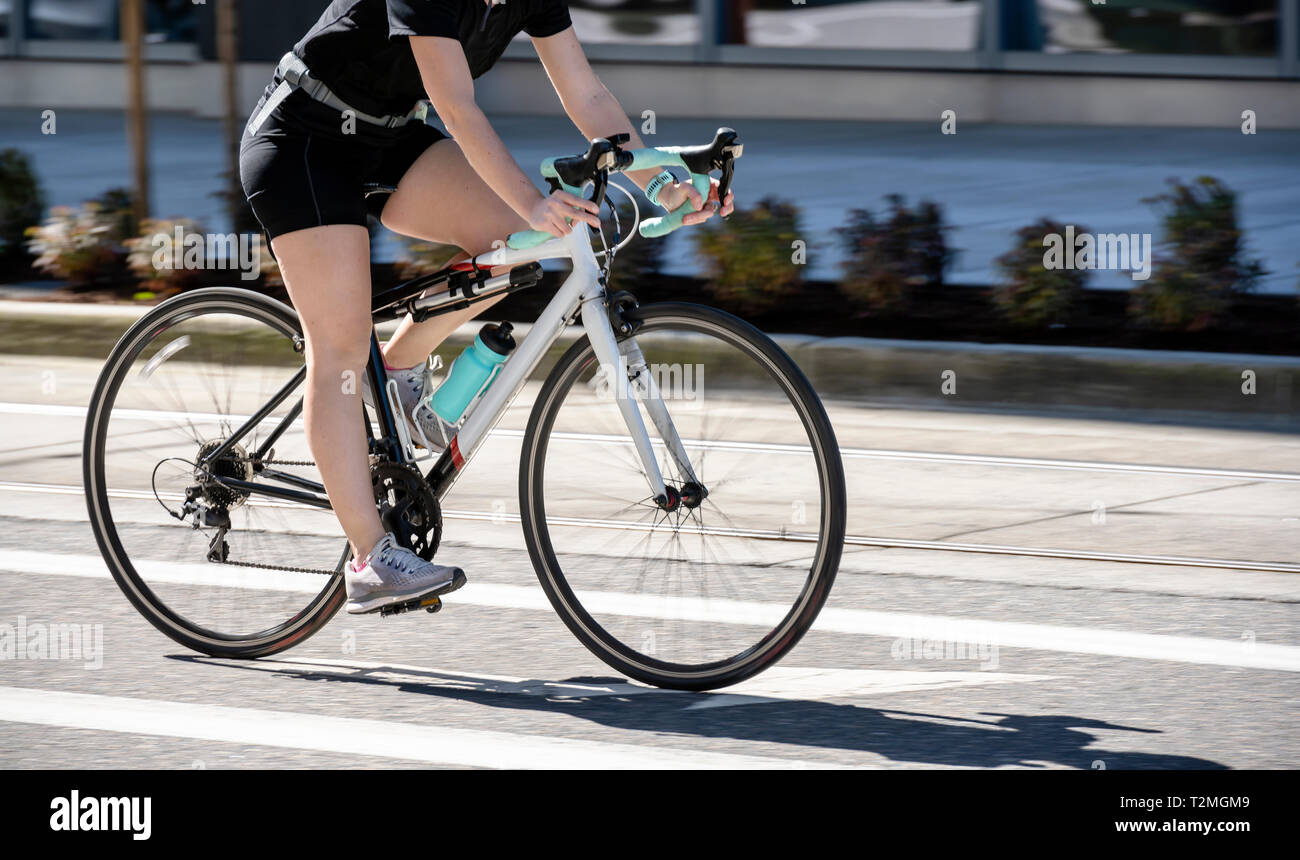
{"points": [[228, 53], [136, 120], [733, 21]]}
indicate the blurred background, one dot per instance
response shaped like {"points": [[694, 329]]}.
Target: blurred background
{"points": [[904, 161], [1073, 110], [1074, 447]]}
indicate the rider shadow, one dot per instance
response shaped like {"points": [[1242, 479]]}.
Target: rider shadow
{"points": [[1005, 740]]}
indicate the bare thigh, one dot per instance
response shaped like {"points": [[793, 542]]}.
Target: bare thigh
{"points": [[327, 273], [442, 199]]}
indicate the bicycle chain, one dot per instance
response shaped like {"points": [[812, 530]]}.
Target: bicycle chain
{"points": [[279, 567], [283, 567]]}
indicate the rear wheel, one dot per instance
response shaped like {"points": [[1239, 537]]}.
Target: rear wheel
{"points": [[725, 582], [224, 572]]}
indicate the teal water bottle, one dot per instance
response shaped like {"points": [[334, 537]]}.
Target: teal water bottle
{"points": [[473, 371]]}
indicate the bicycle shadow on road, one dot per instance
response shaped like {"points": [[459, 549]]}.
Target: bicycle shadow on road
{"points": [[905, 737]]}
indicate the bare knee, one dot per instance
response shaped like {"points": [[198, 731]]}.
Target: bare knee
{"points": [[338, 343], [327, 273]]}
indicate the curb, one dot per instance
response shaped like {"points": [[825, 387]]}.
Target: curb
{"points": [[1259, 392]]}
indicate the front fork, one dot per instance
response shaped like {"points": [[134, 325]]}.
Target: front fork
{"points": [[630, 380]]}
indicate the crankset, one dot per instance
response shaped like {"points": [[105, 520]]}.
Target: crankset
{"points": [[407, 507]]}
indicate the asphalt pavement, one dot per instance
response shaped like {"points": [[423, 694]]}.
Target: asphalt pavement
{"points": [[1175, 644]]}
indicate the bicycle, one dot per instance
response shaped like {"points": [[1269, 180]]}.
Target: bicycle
{"points": [[626, 528]]}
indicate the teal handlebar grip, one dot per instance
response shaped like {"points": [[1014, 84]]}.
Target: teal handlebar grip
{"points": [[527, 239], [644, 159], [665, 224]]}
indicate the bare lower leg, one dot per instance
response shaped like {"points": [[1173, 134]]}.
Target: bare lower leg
{"points": [[332, 414], [327, 273], [412, 343]]}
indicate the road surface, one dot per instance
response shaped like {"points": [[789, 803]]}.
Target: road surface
{"points": [[1124, 595]]}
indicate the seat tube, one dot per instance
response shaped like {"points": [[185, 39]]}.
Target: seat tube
{"points": [[379, 390]]}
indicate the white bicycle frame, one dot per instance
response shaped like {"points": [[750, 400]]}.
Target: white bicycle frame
{"points": [[582, 291]]}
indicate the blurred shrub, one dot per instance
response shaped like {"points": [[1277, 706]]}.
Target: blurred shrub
{"points": [[119, 212], [418, 257], [236, 204], [1203, 263], [891, 254], [157, 261], [748, 256], [1031, 295], [21, 205], [270, 268], [80, 246]]}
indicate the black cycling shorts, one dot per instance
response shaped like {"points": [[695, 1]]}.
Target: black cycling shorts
{"points": [[299, 168]]}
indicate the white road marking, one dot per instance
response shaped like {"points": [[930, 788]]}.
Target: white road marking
{"points": [[1246, 654], [361, 737], [725, 532], [780, 683], [848, 452]]}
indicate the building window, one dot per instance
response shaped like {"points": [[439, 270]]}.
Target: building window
{"points": [[1240, 28], [878, 25], [98, 20], [639, 22]]}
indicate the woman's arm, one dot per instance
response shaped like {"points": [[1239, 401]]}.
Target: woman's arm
{"points": [[596, 113], [450, 88]]}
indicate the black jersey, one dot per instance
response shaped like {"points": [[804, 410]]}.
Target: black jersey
{"points": [[359, 48]]}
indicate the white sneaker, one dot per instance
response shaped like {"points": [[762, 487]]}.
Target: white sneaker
{"points": [[391, 573], [415, 386]]}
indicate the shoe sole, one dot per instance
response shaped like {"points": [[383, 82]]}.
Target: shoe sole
{"points": [[457, 581]]}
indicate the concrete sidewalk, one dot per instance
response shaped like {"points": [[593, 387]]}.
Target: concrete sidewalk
{"points": [[990, 179], [1192, 388]]}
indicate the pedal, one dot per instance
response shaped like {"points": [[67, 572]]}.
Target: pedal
{"points": [[429, 604]]}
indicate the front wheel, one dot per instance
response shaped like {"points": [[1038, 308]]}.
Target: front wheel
{"points": [[724, 583]]}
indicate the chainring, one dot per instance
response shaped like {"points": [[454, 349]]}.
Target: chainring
{"points": [[407, 507]]}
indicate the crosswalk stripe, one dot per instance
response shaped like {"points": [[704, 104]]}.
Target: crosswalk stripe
{"points": [[914, 629], [361, 737]]}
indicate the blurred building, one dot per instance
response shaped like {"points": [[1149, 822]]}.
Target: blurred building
{"points": [[1111, 62]]}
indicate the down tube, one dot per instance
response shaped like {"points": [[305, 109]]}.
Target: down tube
{"points": [[548, 328]]}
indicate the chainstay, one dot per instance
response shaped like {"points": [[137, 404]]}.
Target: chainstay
{"points": [[283, 567]]}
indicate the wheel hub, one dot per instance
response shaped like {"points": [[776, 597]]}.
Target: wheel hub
{"points": [[235, 463]]}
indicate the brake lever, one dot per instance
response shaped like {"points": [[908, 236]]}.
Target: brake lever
{"points": [[724, 183]]}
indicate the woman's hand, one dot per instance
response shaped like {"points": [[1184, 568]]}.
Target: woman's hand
{"points": [[682, 193], [550, 212]]}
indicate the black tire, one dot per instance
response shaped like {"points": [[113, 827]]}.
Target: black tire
{"points": [[532, 491], [194, 636]]}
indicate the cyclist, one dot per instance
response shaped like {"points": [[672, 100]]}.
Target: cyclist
{"points": [[345, 109]]}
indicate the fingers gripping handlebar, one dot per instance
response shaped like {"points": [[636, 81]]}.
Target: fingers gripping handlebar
{"points": [[603, 157]]}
